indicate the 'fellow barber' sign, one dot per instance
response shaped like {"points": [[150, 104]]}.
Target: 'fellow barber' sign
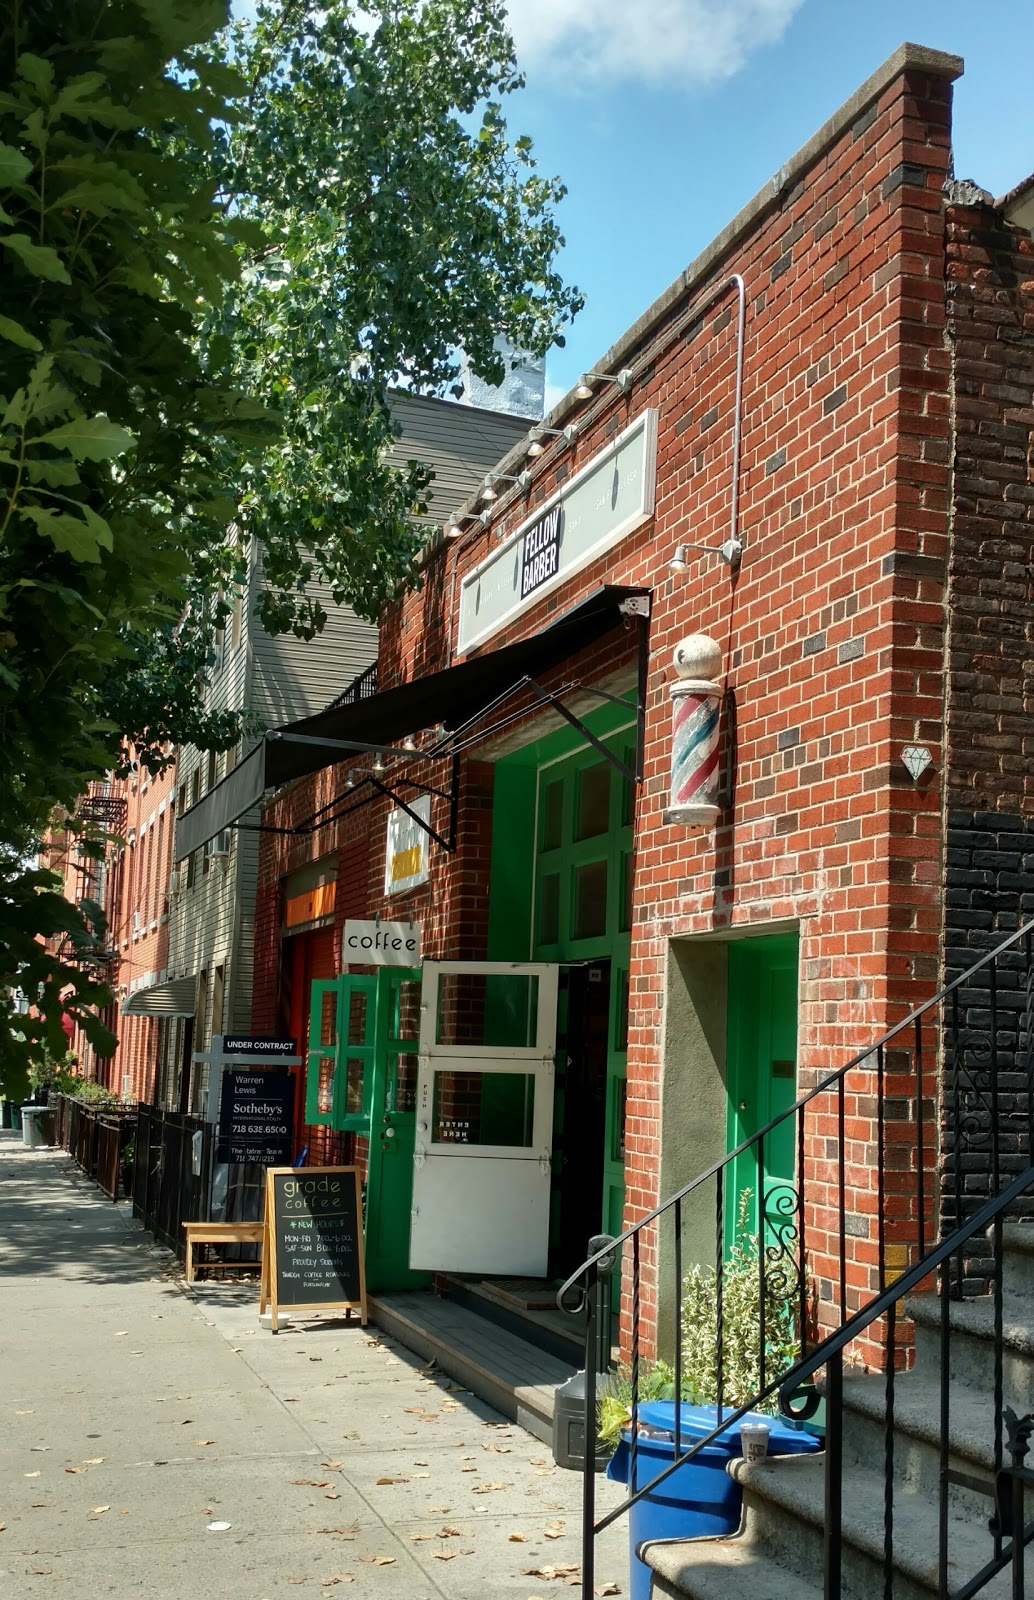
{"points": [[541, 552]]}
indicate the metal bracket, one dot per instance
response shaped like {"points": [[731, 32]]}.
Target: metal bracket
{"points": [[545, 698]]}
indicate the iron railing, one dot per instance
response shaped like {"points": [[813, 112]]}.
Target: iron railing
{"points": [[96, 1137], [1008, 1483], [176, 1179], [860, 1212]]}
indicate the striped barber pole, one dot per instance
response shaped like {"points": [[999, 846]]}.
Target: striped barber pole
{"points": [[695, 701]]}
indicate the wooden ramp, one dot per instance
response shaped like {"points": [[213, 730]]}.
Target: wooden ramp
{"points": [[511, 1374]]}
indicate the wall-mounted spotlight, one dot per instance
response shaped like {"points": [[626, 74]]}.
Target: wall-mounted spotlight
{"points": [[584, 387], [350, 781], [731, 552], [409, 743], [451, 528], [489, 492], [378, 767], [538, 436]]}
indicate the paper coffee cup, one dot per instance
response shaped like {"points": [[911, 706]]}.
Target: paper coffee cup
{"points": [[754, 1440]]}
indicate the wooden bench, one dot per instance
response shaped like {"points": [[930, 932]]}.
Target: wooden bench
{"points": [[222, 1233]]}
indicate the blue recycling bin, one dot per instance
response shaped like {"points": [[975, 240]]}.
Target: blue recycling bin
{"points": [[700, 1499]]}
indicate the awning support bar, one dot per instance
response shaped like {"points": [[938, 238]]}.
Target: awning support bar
{"points": [[576, 722], [449, 845]]}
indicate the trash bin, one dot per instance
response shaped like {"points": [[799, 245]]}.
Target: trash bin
{"points": [[32, 1126], [569, 1423], [699, 1499]]}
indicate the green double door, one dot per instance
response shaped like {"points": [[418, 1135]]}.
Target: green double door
{"points": [[362, 1079], [762, 1081]]}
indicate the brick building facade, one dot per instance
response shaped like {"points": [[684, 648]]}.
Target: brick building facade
{"points": [[865, 431]]}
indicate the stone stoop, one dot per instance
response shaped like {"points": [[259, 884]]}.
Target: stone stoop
{"points": [[778, 1552]]}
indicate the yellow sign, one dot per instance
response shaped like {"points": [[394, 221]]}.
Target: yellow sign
{"points": [[405, 857]]}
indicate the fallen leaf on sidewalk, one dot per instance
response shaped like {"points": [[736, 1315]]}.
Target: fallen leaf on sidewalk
{"points": [[346, 1533], [391, 1480], [92, 1461], [517, 1538], [332, 1466], [566, 1569], [309, 1483], [29, 1413], [39, 1448], [500, 1449], [608, 1588], [332, 1495], [122, 1334], [445, 1555], [487, 1488], [439, 1509], [468, 1469], [96, 1511], [340, 1577], [204, 1441], [42, 1571], [421, 1538], [379, 1561], [449, 1532], [36, 1474]]}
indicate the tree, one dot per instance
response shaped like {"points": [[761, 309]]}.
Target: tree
{"points": [[400, 224], [112, 434]]}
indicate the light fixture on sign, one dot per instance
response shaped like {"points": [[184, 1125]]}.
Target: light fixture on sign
{"points": [[350, 781], [584, 387], [916, 758], [489, 492], [730, 552], [409, 743], [538, 437], [378, 766]]}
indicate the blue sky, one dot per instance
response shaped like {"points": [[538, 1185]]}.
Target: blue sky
{"points": [[664, 116]]}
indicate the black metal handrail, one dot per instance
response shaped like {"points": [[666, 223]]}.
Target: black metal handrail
{"points": [[1009, 1483], [981, 1026]]}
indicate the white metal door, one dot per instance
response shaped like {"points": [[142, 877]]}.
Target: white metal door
{"points": [[484, 1124]]}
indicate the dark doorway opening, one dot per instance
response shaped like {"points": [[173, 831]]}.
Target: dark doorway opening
{"points": [[580, 1112]]}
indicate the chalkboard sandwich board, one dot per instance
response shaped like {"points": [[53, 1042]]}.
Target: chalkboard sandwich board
{"points": [[312, 1256]]}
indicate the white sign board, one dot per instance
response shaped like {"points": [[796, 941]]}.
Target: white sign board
{"points": [[380, 944], [612, 495], [405, 859]]}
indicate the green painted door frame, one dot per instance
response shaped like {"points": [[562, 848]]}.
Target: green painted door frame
{"points": [[361, 1079], [561, 890], [761, 1056]]}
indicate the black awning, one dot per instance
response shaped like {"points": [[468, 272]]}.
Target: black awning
{"points": [[453, 697]]}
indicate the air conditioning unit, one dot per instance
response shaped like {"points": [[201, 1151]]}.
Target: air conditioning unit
{"points": [[219, 848], [137, 923]]}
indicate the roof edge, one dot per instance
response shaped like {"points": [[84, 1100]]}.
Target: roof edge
{"points": [[907, 57]]}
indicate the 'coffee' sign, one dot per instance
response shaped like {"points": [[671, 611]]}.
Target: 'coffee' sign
{"points": [[541, 552], [380, 944]]}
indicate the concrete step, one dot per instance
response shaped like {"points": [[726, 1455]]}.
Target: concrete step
{"points": [[971, 1343], [784, 1517], [722, 1569], [1018, 1258], [917, 1412], [515, 1377]]}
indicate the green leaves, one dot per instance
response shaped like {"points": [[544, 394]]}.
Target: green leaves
{"points": [[82, 537], [16, 334], [90, 438], [40, 259], [14, 166]]}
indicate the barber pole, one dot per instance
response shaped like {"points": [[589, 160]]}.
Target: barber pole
{"points": [[695, 702]]}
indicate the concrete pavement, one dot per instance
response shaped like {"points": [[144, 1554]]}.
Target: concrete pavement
{"points": [[138, 1416]]}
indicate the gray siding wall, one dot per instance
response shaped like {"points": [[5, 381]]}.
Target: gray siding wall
{"points": [[211, 924]]}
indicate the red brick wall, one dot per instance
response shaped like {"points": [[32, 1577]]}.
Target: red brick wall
{"points": [[833, 630]]}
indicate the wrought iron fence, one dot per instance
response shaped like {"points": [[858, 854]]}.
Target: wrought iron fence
{"points": [[176, 1179], [825, 1244], [96, 1137]]}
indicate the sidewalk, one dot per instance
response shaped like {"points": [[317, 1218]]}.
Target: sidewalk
{"points": [[135, 1415]]}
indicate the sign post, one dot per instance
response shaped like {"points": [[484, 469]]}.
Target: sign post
{"points": [[312, 1254]]}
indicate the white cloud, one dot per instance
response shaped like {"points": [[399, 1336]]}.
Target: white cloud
{"points": [[651, 41]]}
